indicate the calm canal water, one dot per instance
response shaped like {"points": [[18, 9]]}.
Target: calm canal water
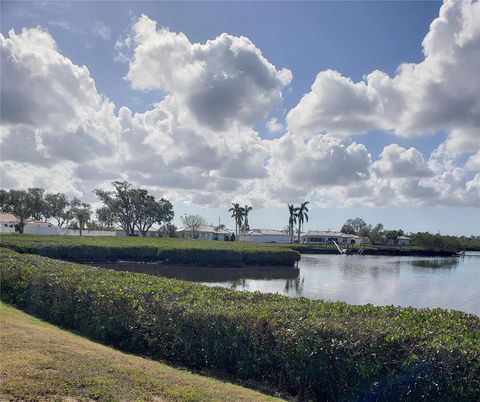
{"points": [[452, 283]]}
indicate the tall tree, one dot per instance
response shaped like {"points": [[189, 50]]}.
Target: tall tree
{"points": [[237, 215], [302, 216], [245, 210], [376, 234], [4, 201], [105, 217], [292, 220], [149, 211], [354, 226], [37, 202], [58, 208], [121, 203], [21, 205]]}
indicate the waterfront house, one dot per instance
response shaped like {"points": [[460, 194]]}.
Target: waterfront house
{"points": [[205, 232], [399, 241], [265, 236], [328, 237]]}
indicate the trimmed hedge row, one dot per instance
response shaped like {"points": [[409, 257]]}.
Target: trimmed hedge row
{"points": [[312, 349], [173, 251]]}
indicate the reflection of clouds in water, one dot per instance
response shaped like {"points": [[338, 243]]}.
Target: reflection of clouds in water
{"points": [[380, 280]]}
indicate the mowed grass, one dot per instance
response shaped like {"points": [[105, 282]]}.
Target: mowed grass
{"points": [[171, 250], [41, 362], [123, 241]]}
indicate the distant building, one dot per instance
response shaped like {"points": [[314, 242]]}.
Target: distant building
{"points": [[265, 236], [205, 232], [403, 241], [399, 241], [326, 237], [7, 223]]}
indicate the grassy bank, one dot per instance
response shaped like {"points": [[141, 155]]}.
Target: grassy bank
{"points": [[43, 362], [313, 349], [173, 251]]}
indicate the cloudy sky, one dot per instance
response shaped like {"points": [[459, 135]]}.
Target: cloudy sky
{"points": [[364, 109]]}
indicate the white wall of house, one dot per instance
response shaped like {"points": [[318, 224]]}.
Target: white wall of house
{"points": [[7, 227], [205, 232], [318, 237], [265, 236], [403, 241]]}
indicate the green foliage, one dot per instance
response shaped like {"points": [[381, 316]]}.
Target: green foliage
{"points": [[175, 251], [301, 215], [437, 241], [313, 349]]}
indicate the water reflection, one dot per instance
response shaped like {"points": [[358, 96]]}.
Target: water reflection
{"points": [[438, 263], [236, 276], [295, 284], [381, 280]]}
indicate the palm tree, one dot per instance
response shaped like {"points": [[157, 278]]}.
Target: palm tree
{"points": [[237, 214], [82, 215], [292, 220], [245, 210], [301, 216]]}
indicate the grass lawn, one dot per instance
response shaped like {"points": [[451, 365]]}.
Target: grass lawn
{"points": [[42, 362], [171, 250]]}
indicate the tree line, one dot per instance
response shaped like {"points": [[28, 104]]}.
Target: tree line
{"points": [[378, 235], [131, 208], [35, 204]]}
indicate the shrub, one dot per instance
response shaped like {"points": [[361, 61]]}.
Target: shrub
{"points": [[311, 349], [173, 251]]}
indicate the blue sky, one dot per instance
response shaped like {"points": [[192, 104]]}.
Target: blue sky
{"points": [[352, 38]]}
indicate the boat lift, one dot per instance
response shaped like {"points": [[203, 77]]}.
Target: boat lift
{"points": [[340, 250]]}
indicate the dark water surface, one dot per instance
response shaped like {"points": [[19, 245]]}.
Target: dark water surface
{"points": [[452, 283]]}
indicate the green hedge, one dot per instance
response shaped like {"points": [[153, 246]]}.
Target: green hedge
{"points": [[311, 349], [173, 251]]}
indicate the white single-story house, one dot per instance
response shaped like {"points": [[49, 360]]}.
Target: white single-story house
{"points": [[326, 237], [401, 241], [7, 223], [205, 232], [32, 226], [265, 236]]}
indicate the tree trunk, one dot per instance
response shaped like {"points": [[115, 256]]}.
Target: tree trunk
{"points": [[21, 225], [299, 230]]}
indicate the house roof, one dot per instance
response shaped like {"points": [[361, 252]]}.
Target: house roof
{"points": [[326, 233], [4, 217], [403, 237], [266, 232]]}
